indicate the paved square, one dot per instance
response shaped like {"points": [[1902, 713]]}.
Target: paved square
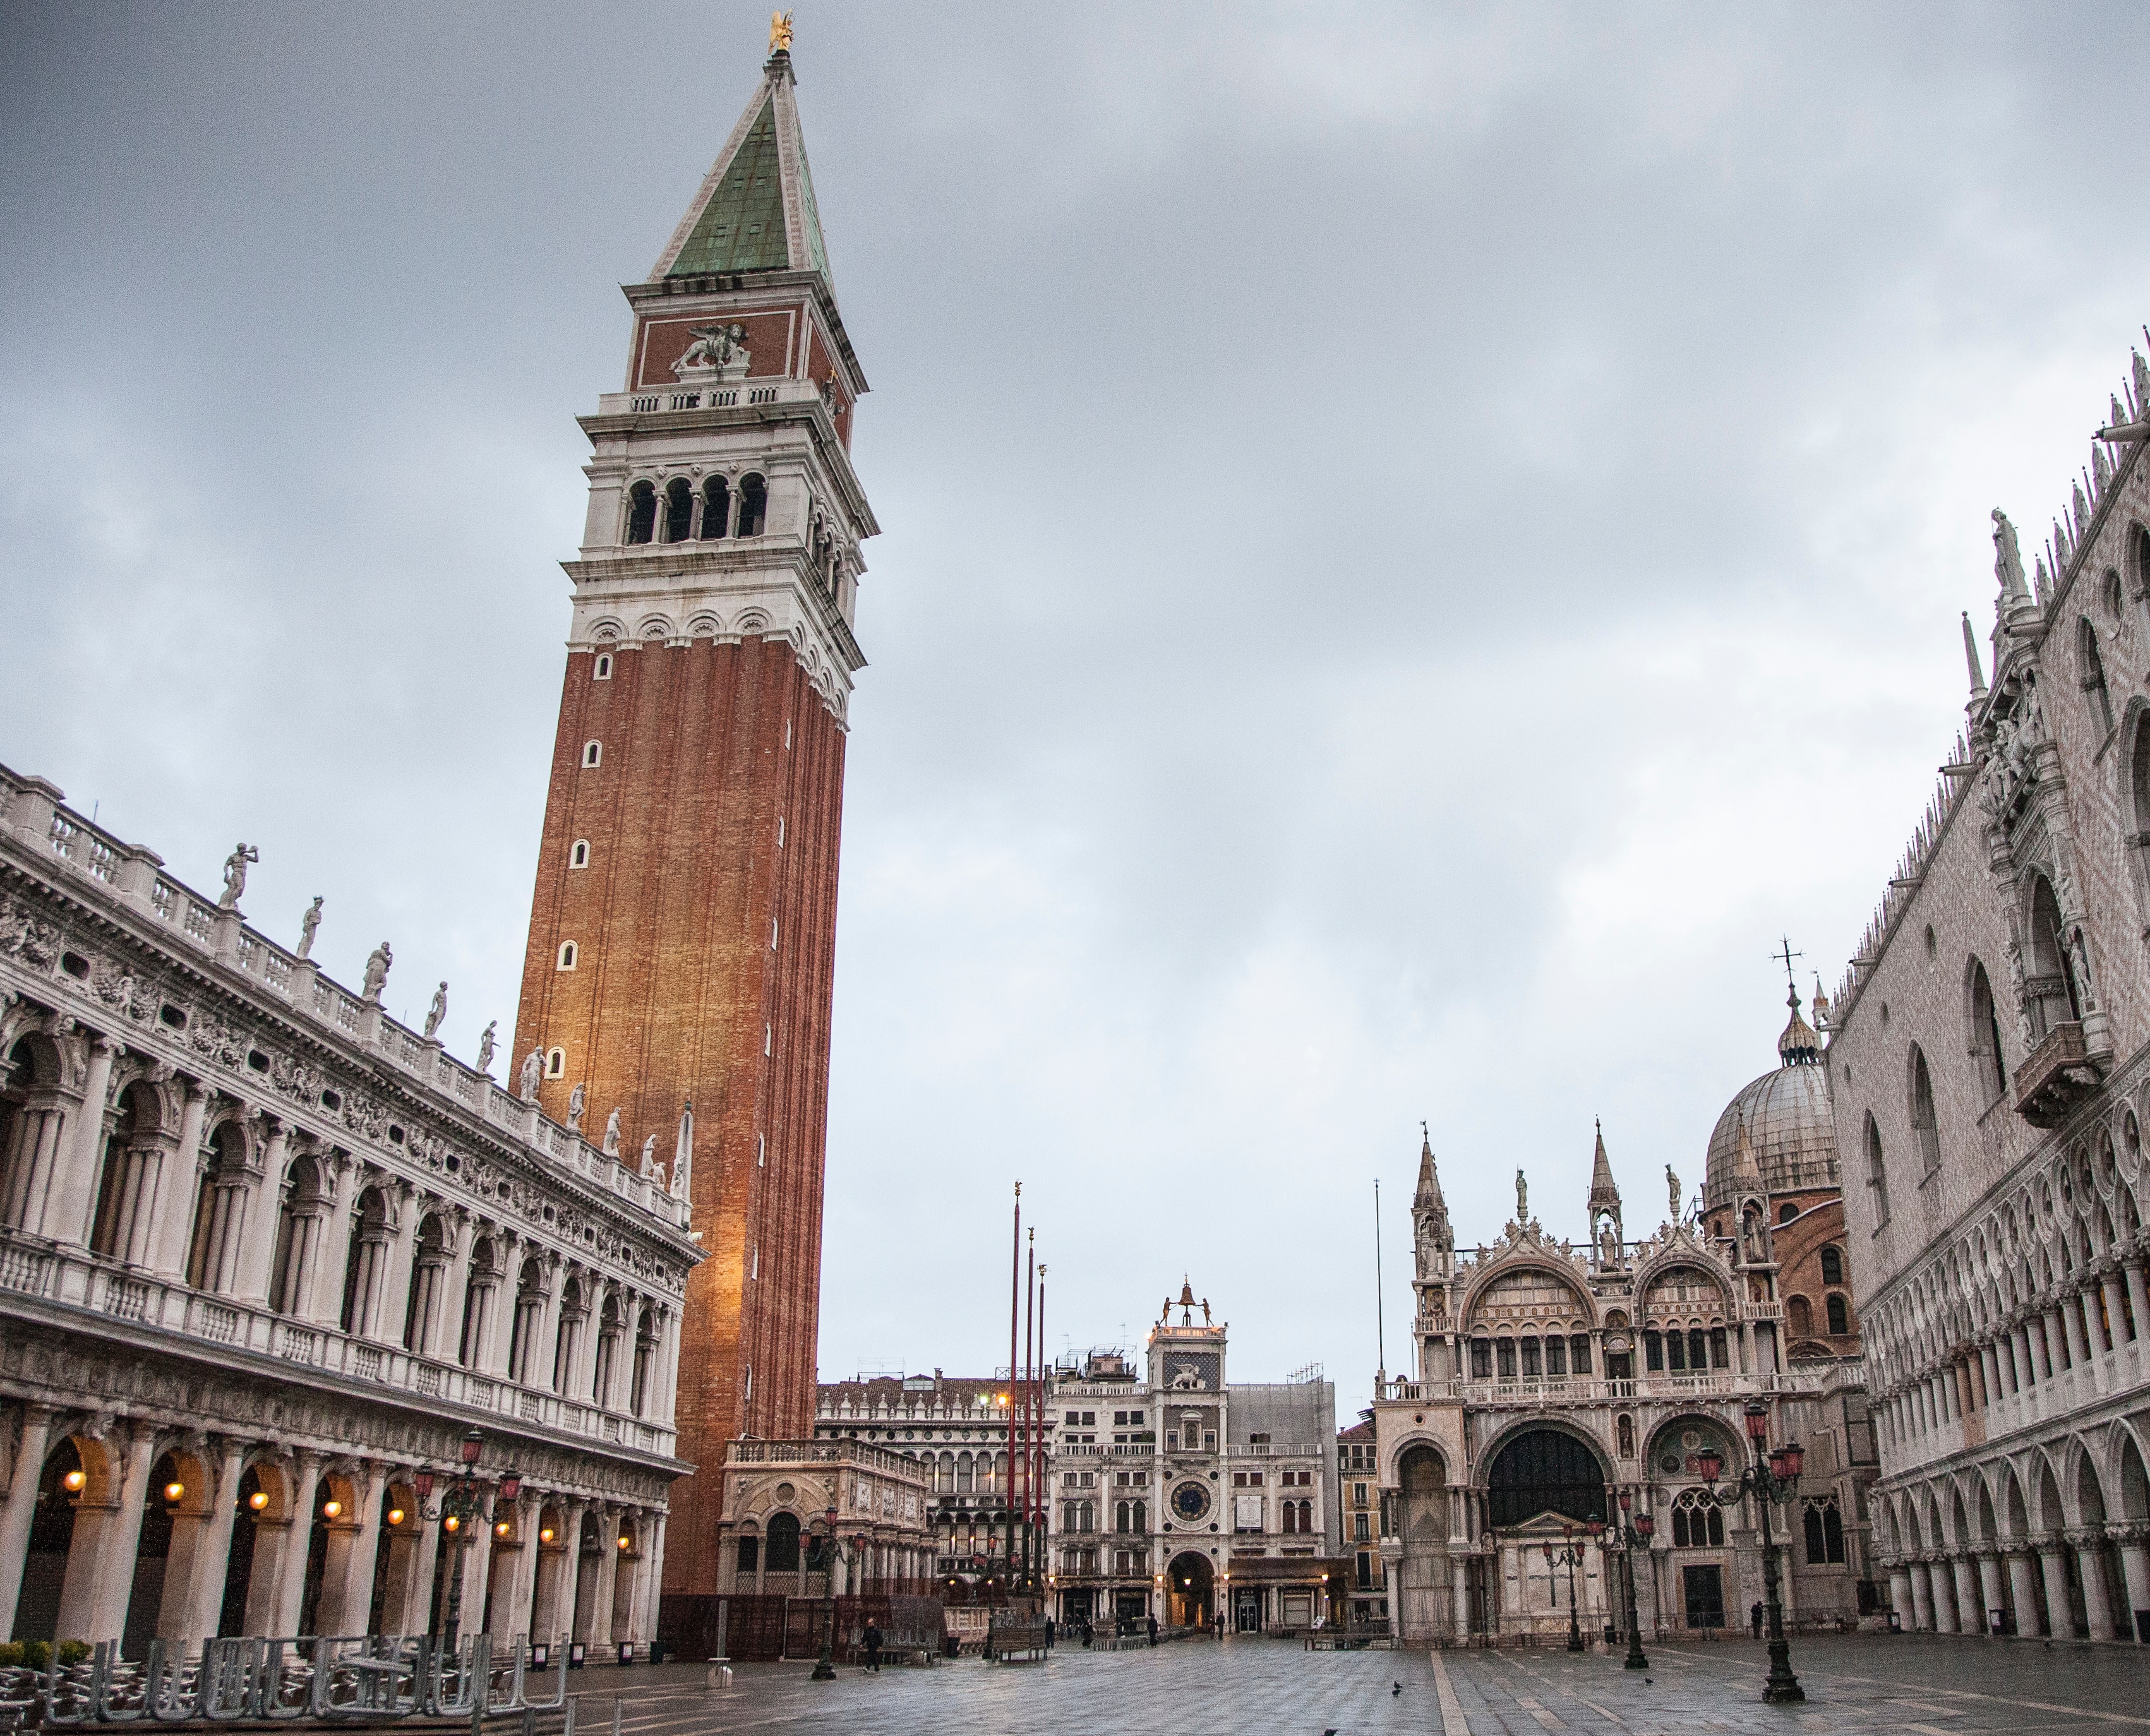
{"points": [[1922, 1685]]}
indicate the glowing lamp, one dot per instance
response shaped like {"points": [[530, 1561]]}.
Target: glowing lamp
{"points": [[396, 1515], [452, 1523], [173, 1492], [74, 1481], [331, 1510], [1710, 1463], [545, 1534], [501, 1527], [627, 1542], [258, 1500]]}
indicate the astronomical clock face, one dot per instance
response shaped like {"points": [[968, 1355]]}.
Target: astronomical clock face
{"points": [[1189, 1503]]}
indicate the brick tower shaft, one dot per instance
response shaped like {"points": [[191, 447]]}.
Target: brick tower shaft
{"points": [[682, 933]]}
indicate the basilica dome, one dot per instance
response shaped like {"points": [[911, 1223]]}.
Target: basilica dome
{"points": [[1788, 1120]]}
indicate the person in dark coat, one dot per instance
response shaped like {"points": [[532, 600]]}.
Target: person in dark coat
{"points": [[1755, 1620], [873, 1647], [1049, 1633], [1152, 1630]]}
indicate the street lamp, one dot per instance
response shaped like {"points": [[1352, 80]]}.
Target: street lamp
{"points": [[824, 1666], [1628, 1537], [1568, 1556], [460, 1507], [1771, 1480]]}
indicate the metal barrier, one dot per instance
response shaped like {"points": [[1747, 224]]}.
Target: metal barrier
{"points": [[377, 1678]]}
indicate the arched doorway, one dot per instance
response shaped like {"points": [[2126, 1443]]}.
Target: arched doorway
{"points": [[1423, 1592], [1544, 1485], [1191, 1590], [1545, 1472]]}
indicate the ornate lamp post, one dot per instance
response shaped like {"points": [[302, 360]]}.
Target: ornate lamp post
{"points": [[1770, 1482], [1628, 1538], [824, 1666], [459, 1506], [1568, 1556]]}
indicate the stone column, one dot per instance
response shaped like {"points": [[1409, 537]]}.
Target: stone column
{"points": [[108, 1532], [1942, 1589], [2072, 1331], [75, 1184], [2023, 1591], [1989, 1589], [175, 1227], [1459, 1596], [297, 1540], [652, 1577], [2135, 1569], [334, 1251], [2060, 1616], [561, 1628], [1974, 1367], [518, 1621], [1899, 1594], [201, 1552], [2098, 1603], [40, 1132], [2116, 1304], [393, 1306], [2138, 1298], [21, 1507], [2052, 1340], [477, 1575], [258, 1235], [599, 1637], [499, 1313], [1922, 1597], [406, 1592], [1970, 1611], [347, 1577]]}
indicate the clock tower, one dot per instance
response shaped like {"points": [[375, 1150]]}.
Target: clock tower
{"points": [[682, 933]]}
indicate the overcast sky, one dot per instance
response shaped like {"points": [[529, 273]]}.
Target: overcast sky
{"points": [[1418, 541]]}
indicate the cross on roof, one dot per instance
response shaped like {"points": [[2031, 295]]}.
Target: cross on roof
{"points": [[1787, 955]]}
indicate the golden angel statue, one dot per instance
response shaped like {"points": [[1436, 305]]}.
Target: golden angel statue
{"points": [[779, 32]]}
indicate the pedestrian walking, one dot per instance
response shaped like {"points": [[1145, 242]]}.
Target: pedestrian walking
{"points": [[873, 1649], [1049, 1633], [1152, 1630], [1755, 1620]]}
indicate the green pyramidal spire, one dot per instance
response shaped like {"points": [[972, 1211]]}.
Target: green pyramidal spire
{"points": [[755, 211]]}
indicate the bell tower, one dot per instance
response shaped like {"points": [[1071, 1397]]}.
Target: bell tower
{"points": [[682, 933]]}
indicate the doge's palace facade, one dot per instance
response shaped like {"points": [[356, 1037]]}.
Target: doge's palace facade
{"points": [[267, 1258], [1988, 1061]]}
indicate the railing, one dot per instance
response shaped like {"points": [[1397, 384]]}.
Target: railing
{"points": [[823, 1452], [1716, 1383], [374, 1677], [132, 876], [72, 1278]]}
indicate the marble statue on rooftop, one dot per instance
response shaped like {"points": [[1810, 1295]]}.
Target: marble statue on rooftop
{"points": [[649, 1157], [533, 1070], [485, 1048], [611, 1134], [576, 1099], [376, 973], [1523, 1198], [721, 348], [779, 32], [683, 1151], [234, 876], [437, 1011], [2008, 557], [307, 925], [1672, 1192]]}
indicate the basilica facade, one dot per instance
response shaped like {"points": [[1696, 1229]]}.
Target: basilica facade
{"points": [[1563, 1384], [305, 1326]]}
